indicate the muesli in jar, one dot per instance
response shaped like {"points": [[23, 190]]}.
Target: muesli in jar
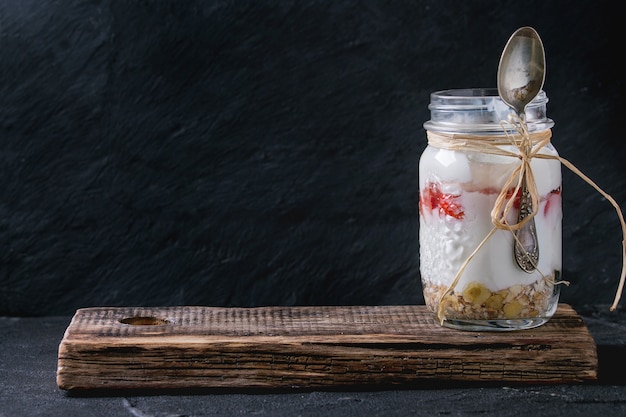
{"points": [[470, 277]]}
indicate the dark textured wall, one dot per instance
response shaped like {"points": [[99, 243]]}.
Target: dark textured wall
{"points": [[243, 153]]}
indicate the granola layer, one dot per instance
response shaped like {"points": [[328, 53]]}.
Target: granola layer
{"points": [[477, 302]]}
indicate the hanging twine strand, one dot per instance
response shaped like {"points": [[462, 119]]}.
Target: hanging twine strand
{"points": [[526, 147]]}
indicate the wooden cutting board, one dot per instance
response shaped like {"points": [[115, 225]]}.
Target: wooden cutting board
{"points": [[278, 347]]}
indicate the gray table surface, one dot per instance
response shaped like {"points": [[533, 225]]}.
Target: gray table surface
{"points": [[28, 355]]}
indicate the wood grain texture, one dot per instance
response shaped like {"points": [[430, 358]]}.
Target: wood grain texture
{"points": [[278, 347]]}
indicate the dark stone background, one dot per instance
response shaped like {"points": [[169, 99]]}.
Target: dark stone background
{"points": [[244, 153]]}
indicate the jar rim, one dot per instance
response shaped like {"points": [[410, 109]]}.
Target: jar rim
{"points": [[480, 110]]}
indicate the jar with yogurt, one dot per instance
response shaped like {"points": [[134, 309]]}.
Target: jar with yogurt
{"points": [[468, 178]]}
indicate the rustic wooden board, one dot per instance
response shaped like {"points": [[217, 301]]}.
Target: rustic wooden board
{"points": [[272, 347]]}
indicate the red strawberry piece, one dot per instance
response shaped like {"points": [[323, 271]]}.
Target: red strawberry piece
{"points": [[552, 199], [432, 198]]}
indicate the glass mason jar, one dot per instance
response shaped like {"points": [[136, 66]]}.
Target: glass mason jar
{"points": [[470, 276]]}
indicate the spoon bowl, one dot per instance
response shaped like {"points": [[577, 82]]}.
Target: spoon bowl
{"points": [[521, 72]]}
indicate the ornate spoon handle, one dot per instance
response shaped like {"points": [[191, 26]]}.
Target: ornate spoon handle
{"points": [[526, 247]]}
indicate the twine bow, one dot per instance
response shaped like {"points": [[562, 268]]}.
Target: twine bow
{"points": [[527, 148]]}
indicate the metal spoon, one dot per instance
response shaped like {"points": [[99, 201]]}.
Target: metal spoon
{"points": [[521, 74]]}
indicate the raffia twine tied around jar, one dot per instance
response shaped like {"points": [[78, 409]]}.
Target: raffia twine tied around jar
{"points": [[528, 146]]}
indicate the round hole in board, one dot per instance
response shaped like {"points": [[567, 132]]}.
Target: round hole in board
{"points": [[144, 321]]}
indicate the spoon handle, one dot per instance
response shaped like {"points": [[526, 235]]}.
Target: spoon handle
{"points": [[526, 247]]}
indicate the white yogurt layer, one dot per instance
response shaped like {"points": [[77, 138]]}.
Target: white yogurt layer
{"points": [[446, 241]]}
